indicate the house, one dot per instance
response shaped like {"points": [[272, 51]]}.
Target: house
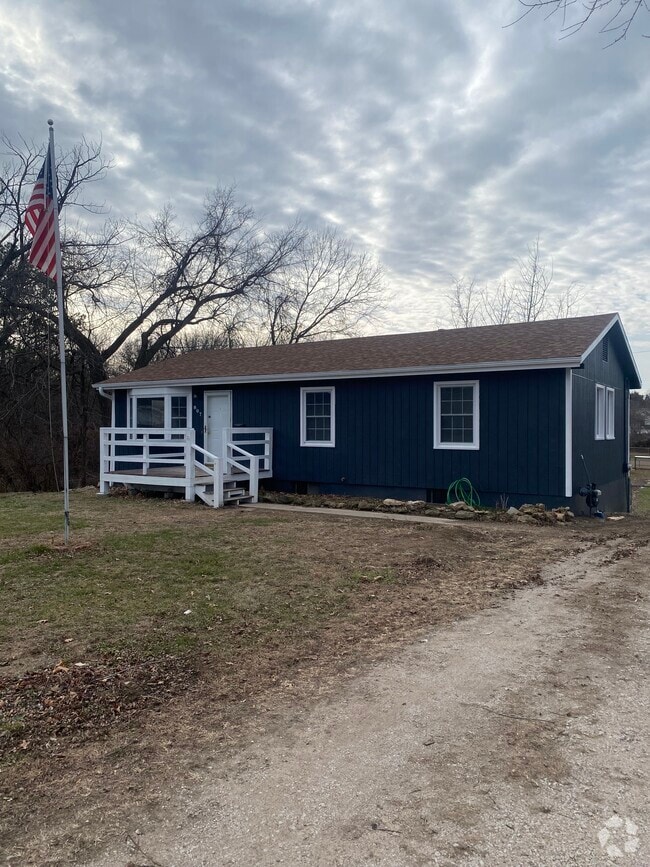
{"points": [[524, 410]]}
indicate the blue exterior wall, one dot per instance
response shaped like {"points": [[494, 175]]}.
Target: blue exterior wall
{"points": [[384, 436], [120, 408], [605, 459]]}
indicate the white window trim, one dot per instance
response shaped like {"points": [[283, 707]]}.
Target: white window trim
{"points": [[599, 418], [166, 394], [437, 444], [610, 418], [328, 444]]}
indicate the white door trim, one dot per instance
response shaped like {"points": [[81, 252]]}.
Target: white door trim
{"points": [[206, 395]]}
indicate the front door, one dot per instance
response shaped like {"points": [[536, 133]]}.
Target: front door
{"points": [[218, 415]]}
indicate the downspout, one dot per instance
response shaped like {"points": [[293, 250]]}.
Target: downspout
{"points": [[104, 486], [109, 396]]}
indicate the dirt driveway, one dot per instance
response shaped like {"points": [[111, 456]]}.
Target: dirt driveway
{"points": [[516, 737]]}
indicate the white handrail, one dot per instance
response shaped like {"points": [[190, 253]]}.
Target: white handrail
{"points": [[254, 436], [205, 452], [177, 447], [213, 470], [251, 470]]}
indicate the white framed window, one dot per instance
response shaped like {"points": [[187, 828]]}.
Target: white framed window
{"points": [[178, 410], [456, 415], [317, 417], [149, 411], [610, 415], [600, 412], [164, 408]]}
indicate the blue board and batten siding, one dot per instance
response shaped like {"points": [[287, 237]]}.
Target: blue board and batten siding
{"points": [[605, 459], [384, 433], [384, 436]]}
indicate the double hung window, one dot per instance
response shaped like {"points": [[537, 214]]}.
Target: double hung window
{"points": [[605, 421], [600, 412], [456, 420], [317, 417]]}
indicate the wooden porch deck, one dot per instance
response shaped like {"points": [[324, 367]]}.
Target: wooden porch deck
{"points": [[175, 472], [127, 456], [178, 472]]}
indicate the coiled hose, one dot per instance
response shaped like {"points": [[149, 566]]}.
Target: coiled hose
{"points": [[463, 491]]}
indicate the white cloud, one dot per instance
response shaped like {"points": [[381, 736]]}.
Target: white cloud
{"points": [[427, 131]]}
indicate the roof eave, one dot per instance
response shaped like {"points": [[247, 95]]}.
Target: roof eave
{"points": [[483, 367], [616, 319]]}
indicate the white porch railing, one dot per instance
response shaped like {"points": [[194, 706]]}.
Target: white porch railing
{"points": [[170, 457], [256, 441]]}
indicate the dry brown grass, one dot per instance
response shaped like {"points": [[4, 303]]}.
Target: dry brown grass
{"points": [[283, 606]]}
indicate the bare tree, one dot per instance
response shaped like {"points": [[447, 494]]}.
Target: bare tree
{"points": [[640, 418], [76, 168], [614, 18], [183, 277], [531, 288], [145, 283], [498, 307], [526, 298], [150, 282], [137, 292], [230, 332], [567, 302], [465, 302], [329, 290]]}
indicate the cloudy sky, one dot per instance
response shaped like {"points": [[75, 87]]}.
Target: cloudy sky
{"points": [[426, 130]]}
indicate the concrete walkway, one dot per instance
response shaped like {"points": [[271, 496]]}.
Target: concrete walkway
{"points": [[357, 513]]}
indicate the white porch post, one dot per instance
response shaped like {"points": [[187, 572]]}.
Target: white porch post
{"points": [[145, 453], [104, 462], [217, 495], [190, 469], [111, 439], [253, 484], [226, 438], [268, 450]]}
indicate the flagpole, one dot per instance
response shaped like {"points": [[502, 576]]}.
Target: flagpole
{"points": [[59, 298]]}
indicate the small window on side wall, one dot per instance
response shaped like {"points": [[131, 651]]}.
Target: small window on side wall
{"points": [[610, 414], [317, 417], [456, 415], [600, 412]]}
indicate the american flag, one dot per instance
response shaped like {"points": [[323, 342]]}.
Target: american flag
{"points": [[39, 219]]}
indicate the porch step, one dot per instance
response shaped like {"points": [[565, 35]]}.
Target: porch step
{"points": [[232, 494]]}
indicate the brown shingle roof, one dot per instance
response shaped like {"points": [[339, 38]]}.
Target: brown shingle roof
{"points": [[491, 344]]}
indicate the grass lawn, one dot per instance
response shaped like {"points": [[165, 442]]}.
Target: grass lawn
{"points": [[166, 629], [152, 590], [153, 595], [642, 504], [641, 491]]}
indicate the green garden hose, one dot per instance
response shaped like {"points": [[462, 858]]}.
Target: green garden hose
{"points": [[462, 491]]}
